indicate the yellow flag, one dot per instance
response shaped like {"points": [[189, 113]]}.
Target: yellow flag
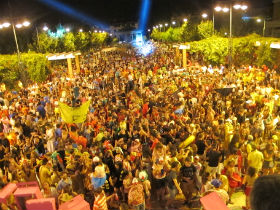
{"points": [[74, 114]]}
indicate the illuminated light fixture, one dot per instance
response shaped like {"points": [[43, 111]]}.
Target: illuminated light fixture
{"points": [[225, 33], [166, 24], [204, 15], [258, 43], [218, 9], [259, 20], [156, 26], [19, 25], [184, 47], [160, 25], [225, 9], [173, 22], [103, 31], [111, 34], [1, 26], [81, 30], [275, 45], [185, 20], [237, 6], [244, 7], [67, 29], [26, 23], [95, 31], [6, 24], [45, 28], [100, 31], [149, 30]]}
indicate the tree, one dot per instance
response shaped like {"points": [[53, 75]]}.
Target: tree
{"points": [[69, 42], [82, 41], [205, 29], [47, 43]]}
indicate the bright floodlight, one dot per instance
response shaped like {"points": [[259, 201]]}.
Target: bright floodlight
{"points": [[67, 29], [111, 34], [237, 6], [100, 31], [149, 30], [204, 15], [185, 19], [19, 25], [166, 24], [244, 7], [45, 28], [225, 9], [259, 20], [1, 26], [225, 33], [218, 8], [95, 31], [173, 22], [6, 24], [81, 30], [160, 25], [156, 26], [26, 23]]}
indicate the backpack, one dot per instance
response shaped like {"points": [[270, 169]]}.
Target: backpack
{"points": [[136, 195]]}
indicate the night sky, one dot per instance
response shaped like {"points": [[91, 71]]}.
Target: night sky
{"points": [[110, 12]]}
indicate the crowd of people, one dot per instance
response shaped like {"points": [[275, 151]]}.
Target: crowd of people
{"points": [[153, 134]]}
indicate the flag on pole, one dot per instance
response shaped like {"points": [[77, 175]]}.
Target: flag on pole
{"points": [[74, 114]]}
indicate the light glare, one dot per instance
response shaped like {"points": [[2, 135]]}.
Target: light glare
{"points": [[218, 8], [244, 7], [6, 24], [19, 25], [204, 15], [225, 9], [26, 23]]}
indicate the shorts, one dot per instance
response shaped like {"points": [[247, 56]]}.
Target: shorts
{"points": [[248, 191]]}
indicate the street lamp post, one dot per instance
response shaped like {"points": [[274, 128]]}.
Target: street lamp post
{"points": [[16, 41], [264, 27], [230, 37], [230, 42], [18, 25]]}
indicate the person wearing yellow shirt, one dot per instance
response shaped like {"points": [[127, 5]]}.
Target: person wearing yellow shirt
{"points": [[45, 173], [255, 158]]}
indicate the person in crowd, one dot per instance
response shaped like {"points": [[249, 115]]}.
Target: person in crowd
{"points": [[248, 182], [146, 120], [265, 193]]}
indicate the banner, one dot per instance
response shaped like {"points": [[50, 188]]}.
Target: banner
{"points": [[74, 114]]}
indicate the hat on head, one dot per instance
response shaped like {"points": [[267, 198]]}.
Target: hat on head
{"points": [[216, 183]]}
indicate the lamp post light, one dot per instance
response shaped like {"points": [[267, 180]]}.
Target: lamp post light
{"points": [[45, 28], [204, 15], [229, 9], [185, 20], [259, 20], [67, 29], [174, 23], [18, 25]]}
